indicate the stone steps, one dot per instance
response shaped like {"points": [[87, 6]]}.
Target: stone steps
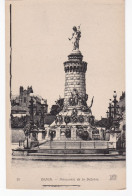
{"points": [[75, 145], [71, 157]]}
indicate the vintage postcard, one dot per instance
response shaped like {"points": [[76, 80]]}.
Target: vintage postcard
{"points": [[65, 90]]}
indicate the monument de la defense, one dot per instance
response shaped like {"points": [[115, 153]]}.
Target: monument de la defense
{"points": [[73, 134]]}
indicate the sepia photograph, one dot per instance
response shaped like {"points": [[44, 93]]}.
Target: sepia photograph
{"points": [[65, 94]]}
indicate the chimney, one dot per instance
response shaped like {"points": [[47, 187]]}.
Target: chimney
{"points": [[21, 90]]}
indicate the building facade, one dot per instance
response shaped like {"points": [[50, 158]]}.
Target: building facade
{"points": [[20, 108]]}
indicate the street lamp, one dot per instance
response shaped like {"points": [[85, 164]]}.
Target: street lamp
{"points": [[42, 112], [115, 103], [31, 109], [110, 107], [114, 94], [110, 113]]}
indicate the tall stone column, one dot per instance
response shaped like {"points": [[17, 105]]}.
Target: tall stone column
{"points": [[75, 70]]}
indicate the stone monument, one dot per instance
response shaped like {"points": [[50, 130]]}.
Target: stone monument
{"points": [[75, 121], [73, 129]]}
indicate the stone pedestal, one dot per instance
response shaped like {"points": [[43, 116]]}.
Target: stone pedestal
{"points": [[57, 133], [73, 133], [112, 140], [107, 136], [47, 135], [40, 136], [112, 137], [90, 132]]}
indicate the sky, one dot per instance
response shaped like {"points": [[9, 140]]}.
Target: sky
{"points": [[40, 46]]}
